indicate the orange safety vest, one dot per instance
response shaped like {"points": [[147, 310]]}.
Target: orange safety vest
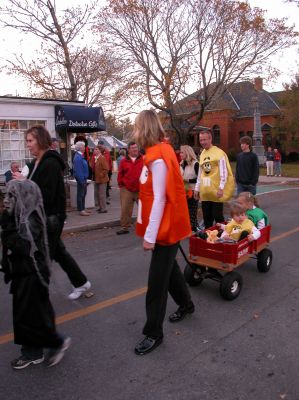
{"points": [[175, 223]]}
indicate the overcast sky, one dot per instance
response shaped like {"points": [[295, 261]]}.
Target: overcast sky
{"points": [[12, 42]]}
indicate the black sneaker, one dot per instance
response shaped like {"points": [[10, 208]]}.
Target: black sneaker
{"points": [[23, 362], [122, 232], [147, 345], [56, 355]]}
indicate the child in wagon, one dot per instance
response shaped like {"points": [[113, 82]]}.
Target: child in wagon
{"points": [[240, 226], [253, 211]]}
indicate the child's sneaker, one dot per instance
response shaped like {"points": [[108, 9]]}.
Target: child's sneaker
{"points": [[56, 355], [23, 362]]}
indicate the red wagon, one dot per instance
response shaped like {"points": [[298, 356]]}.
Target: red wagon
{"points": [[217, 261]]}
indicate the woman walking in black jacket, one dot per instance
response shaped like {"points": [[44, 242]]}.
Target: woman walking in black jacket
{"points": [[46, 170]]}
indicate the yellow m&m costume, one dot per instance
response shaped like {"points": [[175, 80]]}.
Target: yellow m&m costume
{"points": [[213, 177]]}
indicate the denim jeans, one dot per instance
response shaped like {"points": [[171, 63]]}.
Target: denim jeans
{"points": [[246, 188], [81, 193], [277, 167]]}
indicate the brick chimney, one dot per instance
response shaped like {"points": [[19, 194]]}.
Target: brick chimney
{"points": [[258, 83]]}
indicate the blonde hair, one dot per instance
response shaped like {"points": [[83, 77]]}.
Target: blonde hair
{"points": [[148, 129], [190, 155], [249, 198]]}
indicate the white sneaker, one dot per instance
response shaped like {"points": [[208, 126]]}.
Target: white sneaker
{"points": [[84, 213], [56, 355], [78, 291]]}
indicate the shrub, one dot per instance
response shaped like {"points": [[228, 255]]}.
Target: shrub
{"points": [[293, 156]]}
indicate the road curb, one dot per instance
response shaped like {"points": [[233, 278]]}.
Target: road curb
{"points": [[90, 227]]}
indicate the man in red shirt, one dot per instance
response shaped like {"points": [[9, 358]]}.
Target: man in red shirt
{"points": [[129, 172]]}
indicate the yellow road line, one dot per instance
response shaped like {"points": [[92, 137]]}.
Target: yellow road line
{"points": [[284, 235], [87, 310], [6, 338], [118, 299], [99, 306]]}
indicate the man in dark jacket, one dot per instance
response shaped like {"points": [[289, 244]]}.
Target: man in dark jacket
{"points": [[247, 168], [129, 172]]}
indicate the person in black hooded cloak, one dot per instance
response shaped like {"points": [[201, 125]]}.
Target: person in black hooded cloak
{"points": [[26, 263]]}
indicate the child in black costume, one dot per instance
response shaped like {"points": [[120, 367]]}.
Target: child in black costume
{"points": [[25, 264]]}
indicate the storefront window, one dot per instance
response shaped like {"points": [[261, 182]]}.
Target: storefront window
{"points": [[23, 125], [12, 142]]}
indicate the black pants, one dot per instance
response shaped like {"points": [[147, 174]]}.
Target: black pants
{"points": [[108, 183], [164, 276], [211, 212], [59, 253], [193, 208]]}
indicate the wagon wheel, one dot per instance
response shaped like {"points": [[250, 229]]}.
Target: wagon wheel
{"points": [[264, 260], [231, 285], [192, 275]]}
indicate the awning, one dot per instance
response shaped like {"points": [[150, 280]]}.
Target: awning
{"points": [[79, 119], [111, 142]]}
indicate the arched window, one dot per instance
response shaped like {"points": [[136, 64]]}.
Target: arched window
{"points": [[241, 134], [216, 135]]}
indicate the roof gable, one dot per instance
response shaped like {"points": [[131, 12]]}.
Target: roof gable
{"points": [[238, 97]]}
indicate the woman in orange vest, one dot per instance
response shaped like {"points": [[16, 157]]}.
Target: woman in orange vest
{"points": [[162, 221]]}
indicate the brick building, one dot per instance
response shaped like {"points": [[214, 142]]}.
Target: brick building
{"points": [[231, 115]]}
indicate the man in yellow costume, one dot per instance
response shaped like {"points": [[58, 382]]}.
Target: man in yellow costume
{"points": [[215, 182]]}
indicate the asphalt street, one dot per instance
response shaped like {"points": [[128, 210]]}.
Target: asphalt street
{"points": [[227, 350]]}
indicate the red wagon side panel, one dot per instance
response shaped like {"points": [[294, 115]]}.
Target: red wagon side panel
{"points": [[225, 252], [265, 237], [228, 253]]}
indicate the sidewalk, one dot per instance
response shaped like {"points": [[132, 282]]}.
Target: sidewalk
{"points": [[77, 223], [270, 180]]}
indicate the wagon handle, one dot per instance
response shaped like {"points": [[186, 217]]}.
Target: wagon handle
{"points": [[184, 255]]}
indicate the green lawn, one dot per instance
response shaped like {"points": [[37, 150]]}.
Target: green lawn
{"points": [[290, 170]]}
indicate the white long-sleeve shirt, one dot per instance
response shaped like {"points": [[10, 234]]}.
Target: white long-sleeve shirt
{"points": [[159, 172]]}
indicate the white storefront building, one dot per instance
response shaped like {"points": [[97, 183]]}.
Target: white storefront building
{"points": [[17, 114]]}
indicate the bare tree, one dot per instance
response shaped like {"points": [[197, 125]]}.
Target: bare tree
{"points": [[66, 67], [296, 2], [176, 47], [286, 131], [120, 128]]}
